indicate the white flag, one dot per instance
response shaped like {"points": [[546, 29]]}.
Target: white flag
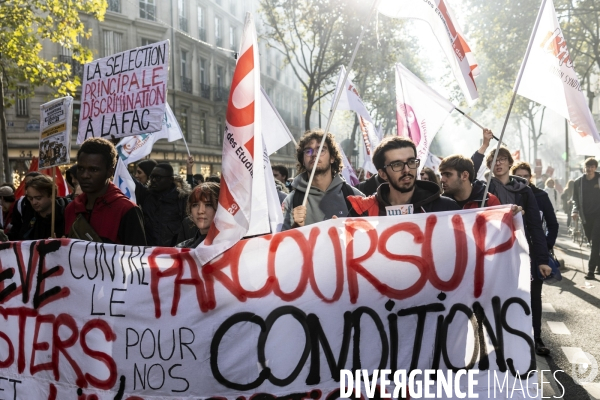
{"points": [[134, 148], [440, 17], [275, 132], [124, 181], [347, 171], [549, 76], [420, 110], [350, 101], [273, 203], [584, 145], [432, 161], [243, 204]]}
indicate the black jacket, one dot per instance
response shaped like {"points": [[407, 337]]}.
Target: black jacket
{"points": [[548, 214], [35, 227], [164, 214], [370, 186], [578, 196]]}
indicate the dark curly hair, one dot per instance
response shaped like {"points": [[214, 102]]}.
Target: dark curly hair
{"points": [[100, 146], [334, 151]]}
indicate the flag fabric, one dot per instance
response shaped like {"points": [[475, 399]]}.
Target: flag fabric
{"points": [[133, 148], [275, 131], [350, 101], [62, 189], [584, 145], [549, 76], [420, 110], [243, 204], [348, 172], [123, 180], [432, 161], [440, 18]]}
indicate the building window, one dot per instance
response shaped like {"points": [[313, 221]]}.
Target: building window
{"points": [[201, 24], [22, 102], [147, 9], [219, 77], [268, 63], [147, 42], [202, 127], [183, 122], [204, 85], [112, 43], [186, 82], [220, 131], [219, 31], [232, 37], [278, 66], [183, 22], [114, 5]]}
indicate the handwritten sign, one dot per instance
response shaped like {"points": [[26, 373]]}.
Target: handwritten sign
{"points": [[55, 132], [125, 94], [277, 315]]}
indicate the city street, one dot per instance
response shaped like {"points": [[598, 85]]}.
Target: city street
{"points": [[570, 324]]}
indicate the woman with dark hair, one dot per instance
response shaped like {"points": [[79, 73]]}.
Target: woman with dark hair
{"points": [[143, 170], [427, 174], [201, 208], [567, 201]]}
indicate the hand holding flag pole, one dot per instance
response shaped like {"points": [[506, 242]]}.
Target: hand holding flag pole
{"points": [[512, 101], [476, 123], [337, 99]]}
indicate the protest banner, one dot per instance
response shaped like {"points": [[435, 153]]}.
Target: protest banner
{"points": [[124, 94], [277, 316], [56, 118]]}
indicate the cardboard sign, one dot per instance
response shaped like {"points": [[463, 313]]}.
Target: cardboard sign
{"points": [[55, 132], [125, 94], [275, 316]]}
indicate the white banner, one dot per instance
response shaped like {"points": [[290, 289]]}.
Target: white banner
{"points": [[56, 118], [440, 17], [275, 315], [420, 110], [549, 77], [124, 94]]}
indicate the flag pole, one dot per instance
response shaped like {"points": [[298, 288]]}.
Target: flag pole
{"points": [[53, 218], [512, 101], [475, 122], [337, 99], [186, 145]]}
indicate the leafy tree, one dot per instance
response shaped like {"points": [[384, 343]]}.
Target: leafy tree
{"points": [[317, 37], [26, 26]]}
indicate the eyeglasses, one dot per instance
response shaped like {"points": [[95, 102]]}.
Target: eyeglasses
{"points": [[157, 177], [398, 166], [501, 160], [309, 152]]}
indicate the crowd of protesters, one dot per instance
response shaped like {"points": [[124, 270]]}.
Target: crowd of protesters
{"points": [[175, 212]]}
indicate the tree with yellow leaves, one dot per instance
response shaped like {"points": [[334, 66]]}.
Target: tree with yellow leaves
{"points": [[26, 24]]}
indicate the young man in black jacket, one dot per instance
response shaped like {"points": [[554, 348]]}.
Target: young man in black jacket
{"points": [[514, 190], [586, 196]]}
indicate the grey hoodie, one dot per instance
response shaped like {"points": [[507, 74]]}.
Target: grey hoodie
{"points": [[321, 205]]}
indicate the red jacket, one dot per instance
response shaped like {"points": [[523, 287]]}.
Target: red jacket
{"points": [[105, 217], [491, 201]]}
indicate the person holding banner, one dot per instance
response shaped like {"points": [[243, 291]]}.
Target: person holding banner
{"points": [[37, 219], [7, 202], [102, 213], [396, 162], [328, 193], [201, 207], [515, 190]]}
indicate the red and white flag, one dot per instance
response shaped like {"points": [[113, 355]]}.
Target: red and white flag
{"points": [[243, 205], [350, 101], [440, 17], [549, 76], [61, 183], [420, 111]]}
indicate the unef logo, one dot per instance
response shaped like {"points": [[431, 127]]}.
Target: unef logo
{"points": [[408, 123], [555, 43]]}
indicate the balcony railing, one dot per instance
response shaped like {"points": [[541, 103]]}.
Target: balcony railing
{"points": [[221, 93], [205, 90], [114, 5], [76, 67], [202, 34], [219, 41], [183, 23], [187, 84], [147, 11]]}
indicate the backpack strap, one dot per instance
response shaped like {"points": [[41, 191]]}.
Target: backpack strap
{"points": [[297, 199]]}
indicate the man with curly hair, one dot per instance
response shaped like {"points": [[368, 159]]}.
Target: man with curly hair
{"points": [[327, 196], [102, 213]]}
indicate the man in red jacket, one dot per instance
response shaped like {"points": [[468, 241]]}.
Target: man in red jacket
{"points": [[459, 183], [111, 215]]}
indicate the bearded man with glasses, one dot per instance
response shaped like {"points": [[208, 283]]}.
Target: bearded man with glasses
{"points": [[396, 161]]}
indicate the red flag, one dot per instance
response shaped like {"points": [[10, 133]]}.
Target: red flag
{"points": [[61, 184]]}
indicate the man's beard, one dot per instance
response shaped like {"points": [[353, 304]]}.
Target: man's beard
{"points": [[402, 189], [320, 170]]}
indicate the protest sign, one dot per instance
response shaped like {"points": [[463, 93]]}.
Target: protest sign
{"points": [[276, 316], [124, 94], [55, 132]]}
